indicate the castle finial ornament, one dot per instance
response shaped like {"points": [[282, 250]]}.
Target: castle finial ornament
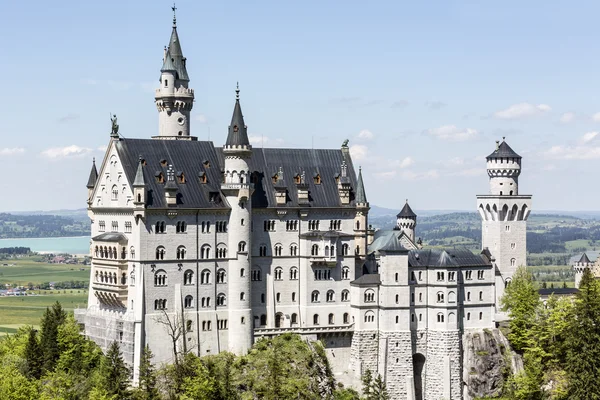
{"points": [[115, 126], [174, 8], [237, 91]]}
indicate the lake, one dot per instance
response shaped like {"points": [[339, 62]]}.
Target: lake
{"points": [[71, 245]]}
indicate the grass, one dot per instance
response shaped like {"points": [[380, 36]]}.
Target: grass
{"points": [[30, 270], [571, 245]]}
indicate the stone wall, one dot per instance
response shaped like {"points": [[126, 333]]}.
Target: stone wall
{"points": [[364, 352], [398, 363], [443, 366]]}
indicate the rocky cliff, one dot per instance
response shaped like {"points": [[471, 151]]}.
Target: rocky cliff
{"points": [[488, 361]]}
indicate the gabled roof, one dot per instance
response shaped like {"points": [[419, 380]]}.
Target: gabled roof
{"points": [[503, 151], [584, 259], [459, 257], [111, 237], [390, 241], [367, 280], [93, 176], [406, 212], [238, 135], [361, 195]]}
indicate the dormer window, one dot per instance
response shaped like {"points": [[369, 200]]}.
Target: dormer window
{"points": [[275, 178], [163, 162], [317, 179], [337, 178], [143, 161], [203, 178], [180, 177], [160, 178], [206, 163], [297, 179], [235, 128]]}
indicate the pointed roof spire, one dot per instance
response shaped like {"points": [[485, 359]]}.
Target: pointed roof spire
{"points": [[139, 175], [174, 8], [93, 175], [238, 132], [174, 49], [584, 259], [361, 195], [406, 212], [168, 63], [503, 150]]}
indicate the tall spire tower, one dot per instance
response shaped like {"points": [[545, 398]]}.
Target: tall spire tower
{"points": [[174, 99], [504, 216]]}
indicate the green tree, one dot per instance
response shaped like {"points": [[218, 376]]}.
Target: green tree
{"points": [[147, 380], [367, 382], [114, 373], [378, 390], [521, 300], [16, 386], [583, 342], [33, 355], [51, 320]]}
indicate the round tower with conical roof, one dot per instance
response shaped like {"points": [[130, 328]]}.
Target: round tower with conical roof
{"points": [[504, 168], [406, 221], [238, 190], [174, 99], [580, 266]]}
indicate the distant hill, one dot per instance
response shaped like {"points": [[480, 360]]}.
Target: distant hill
{"points": [[42, 225]]}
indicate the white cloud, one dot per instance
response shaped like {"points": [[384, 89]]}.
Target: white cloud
{"points": [[358, 152], [203, 119], [409, 175], [404, 163], [102, 148], [567, 117], [452, 133], [256, 140], [596, 117], [365, 134], [476, 171], [588, 137], [385, 174], [11, 151], [573, 152], [66, 152], [522, 110]]}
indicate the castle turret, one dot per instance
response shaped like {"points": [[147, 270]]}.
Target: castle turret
{"points": [[504, 216], [92, 182], [139, 191], [406, 221], [238, 191], [361, 221], [580, 266], [174, 99]]}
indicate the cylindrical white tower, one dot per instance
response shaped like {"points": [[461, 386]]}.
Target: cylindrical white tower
{"points": [[174, 100], [238, 191], [504, 168], [406, 221]]}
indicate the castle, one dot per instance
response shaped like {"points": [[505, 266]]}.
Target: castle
{"points": [[210, 248]]}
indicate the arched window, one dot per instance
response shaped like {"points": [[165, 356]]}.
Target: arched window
{"points": [[278, 250], [294, 319], [451, 317], [326, 251], [221, 276], [314, 297], [278, 273], [205, 251], [451, 297], [221, 250], [278, 320], [242, 272], [440, 317], [221, 299], [440, 297], [330, 295], [159, 227], [188, 277], [314, 250], [263, 320], [262, 298], [123, 278], [262, 250], [345, 295], [293, 249], [293, 273], [346, 318], [369, 296], [369, 316], [115, 193], [316, 319], [181, 252], [160, 253], [345, 249], [241, 247], [513, 262], [242, 296], [331, 319], [205, 277], [188, 302], [256, 274], [345, 273], [132, 252], [160, 278]]}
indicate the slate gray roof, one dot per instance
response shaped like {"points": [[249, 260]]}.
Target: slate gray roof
{"points": [[139, 175], [361, 195], [385, 240], [406, 212], [584, 259], [459, 257], [93, 176], [238, 135], [367, 280], [503, 151], [168, 63], [323, 162], [558, 291], [111, 237], [187, 156], [177, 55]]}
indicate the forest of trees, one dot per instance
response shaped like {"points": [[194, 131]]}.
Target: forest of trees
{"points": [[30, 226], [559, 341], [57, 362]]}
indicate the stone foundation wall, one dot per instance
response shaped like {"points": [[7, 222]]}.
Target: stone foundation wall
{"points": [[364, 352], [443, 363], [398, 363]]}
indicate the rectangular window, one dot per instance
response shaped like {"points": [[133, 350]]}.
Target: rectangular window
{"points": [[115, 226], [269, 225], [440, 276], [468, 275], [322, 274], [101, 226], [479, 274], [128, 227]]}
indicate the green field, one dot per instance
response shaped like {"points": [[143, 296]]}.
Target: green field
{"points": [[30, 270]]}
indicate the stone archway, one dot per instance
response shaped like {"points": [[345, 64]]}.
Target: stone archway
{"points": [[418, 364]]}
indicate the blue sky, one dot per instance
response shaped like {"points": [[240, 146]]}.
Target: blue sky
{"points": [[422, 89]]}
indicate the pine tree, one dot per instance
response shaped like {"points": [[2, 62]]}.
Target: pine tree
{"points": [[378, 390], [52, 319], [34, 356], [147, 382], [115, 373], [367, 381], [521, 300], [583, 341]]}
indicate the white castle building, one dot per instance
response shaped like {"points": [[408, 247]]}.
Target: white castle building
{"points": [[229, 244]]}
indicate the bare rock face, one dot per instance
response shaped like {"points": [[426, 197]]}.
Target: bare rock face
{"points": [[487, 363]]}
